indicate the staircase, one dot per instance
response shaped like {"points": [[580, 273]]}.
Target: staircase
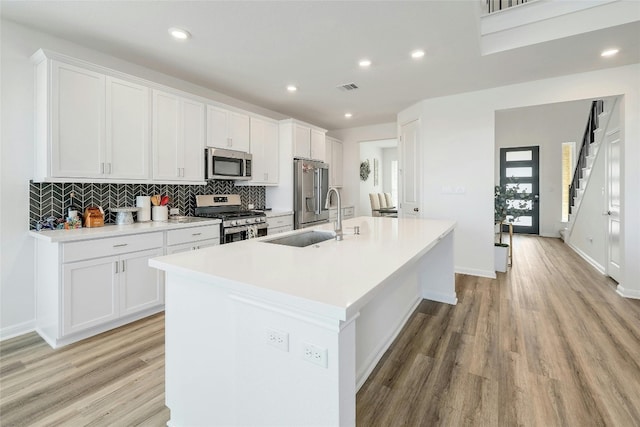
{"points": [[590, 148]]}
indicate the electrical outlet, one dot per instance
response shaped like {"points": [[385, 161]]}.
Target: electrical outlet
{"points": [[174, 211], [278, 339], [314, 354]]}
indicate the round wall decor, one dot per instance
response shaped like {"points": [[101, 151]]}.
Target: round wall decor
{"points": [[365, 170]]}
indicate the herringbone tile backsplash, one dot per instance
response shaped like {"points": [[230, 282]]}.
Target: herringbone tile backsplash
{"points": [[51, 199]]}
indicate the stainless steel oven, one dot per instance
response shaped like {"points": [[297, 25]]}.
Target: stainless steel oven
{"points": [[243, 232], [237, 223]]}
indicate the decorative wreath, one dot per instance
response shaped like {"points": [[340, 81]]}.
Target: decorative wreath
{"points": [[365, 170]]}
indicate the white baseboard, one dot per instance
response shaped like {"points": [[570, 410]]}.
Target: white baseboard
{"points": [[628, 293], [587, 258], [438, 297], [476, 272], [17, 330]]}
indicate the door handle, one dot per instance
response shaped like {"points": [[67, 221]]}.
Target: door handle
{"points": [[117, 264], [416, 210], [123, 266]]}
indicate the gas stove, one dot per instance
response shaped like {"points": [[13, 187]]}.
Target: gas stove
{"points": [[237, 224]]}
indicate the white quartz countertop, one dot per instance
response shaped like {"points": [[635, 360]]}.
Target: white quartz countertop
{"points": [[330, 278], [111, 230]]}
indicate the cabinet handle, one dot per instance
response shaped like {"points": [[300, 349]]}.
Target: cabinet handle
{"points": [[101, 167], [117, 264], [109, 168], [121, 245], [178, 171], [229, 142], [196, 234], [123, 266]]}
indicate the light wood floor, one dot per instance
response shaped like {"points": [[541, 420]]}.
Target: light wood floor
{"points": [[547, 344]]}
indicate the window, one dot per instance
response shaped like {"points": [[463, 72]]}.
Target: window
{"points": [[568, 154]]}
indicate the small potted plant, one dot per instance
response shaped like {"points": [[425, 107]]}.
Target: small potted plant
{"points": [[510, 202]]}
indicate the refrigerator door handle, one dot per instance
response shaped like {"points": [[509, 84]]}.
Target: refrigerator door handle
{"points": [[318, 190]]}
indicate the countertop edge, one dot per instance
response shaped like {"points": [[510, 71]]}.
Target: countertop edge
{"points": [[112, 230]]}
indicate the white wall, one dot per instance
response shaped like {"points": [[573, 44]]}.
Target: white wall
{"points": [[371, 153], [18, 43], [351, 139], [458, 134], [547, 126]]}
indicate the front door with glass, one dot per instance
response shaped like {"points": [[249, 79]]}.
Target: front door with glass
{"points": [[521, 166]]}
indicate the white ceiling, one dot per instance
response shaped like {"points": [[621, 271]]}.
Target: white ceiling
{"points": [[252, 50]]}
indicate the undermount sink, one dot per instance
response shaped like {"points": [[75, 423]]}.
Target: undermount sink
{"points": [[302, 240]]}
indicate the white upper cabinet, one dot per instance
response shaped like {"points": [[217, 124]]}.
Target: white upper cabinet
{"points": [[178, 138], [265, 151], [334, 158], [89, 125], [301, 141], [318, 145], [77, 121], [308, 143], [127, 130], [227, 129]]}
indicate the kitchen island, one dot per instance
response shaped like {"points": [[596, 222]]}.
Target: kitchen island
{"points": [[259, 333]]}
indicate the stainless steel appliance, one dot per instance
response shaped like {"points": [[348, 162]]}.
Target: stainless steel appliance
{"points": [[227, 164], [237, 224], [310, 187]]}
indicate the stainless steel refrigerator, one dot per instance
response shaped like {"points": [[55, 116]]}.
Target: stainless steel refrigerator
{"points": [[310, 187]]}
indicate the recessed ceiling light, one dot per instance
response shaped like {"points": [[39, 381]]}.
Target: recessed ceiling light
{"points": [[417, 54], [179, 33], [609, 52], [348, 115], [292, 88], [364, 63]]}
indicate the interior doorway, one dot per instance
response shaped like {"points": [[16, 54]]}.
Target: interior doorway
{"points": [[381, 159]]}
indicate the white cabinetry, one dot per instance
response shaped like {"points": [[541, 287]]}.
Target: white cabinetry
{"points": [[190, 239], [87, 287], [89, 125], [127, 130], [279, 223], [348, 212], [308, 143], [334, 158], [265, 151], [227, 129], [178, 138]]}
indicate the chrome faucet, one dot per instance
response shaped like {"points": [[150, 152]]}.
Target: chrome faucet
{"points": [[338, 226]]}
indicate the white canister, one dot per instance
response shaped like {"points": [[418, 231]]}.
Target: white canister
{"points": [[144, 203], [159, 213]]}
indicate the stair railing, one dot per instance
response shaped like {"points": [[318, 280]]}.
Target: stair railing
{"points": [[588, 138], [496, 5]]}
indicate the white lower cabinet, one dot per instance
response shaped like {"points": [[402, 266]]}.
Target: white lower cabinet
{"points": [[90, 294], [140, 286], [279, 223], [88, 287]]}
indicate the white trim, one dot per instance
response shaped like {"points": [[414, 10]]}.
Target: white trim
{"points": [[587, 258], [17, 330], [628, 293], [475, 272]]}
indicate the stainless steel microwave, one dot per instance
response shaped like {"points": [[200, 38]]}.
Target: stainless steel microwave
{"points": [[227, 164]]}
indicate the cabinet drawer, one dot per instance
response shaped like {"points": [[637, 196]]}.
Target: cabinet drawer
{"points": [[88, 249], [280, 221], [278, 230], [347, 212], [194, 234]]}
